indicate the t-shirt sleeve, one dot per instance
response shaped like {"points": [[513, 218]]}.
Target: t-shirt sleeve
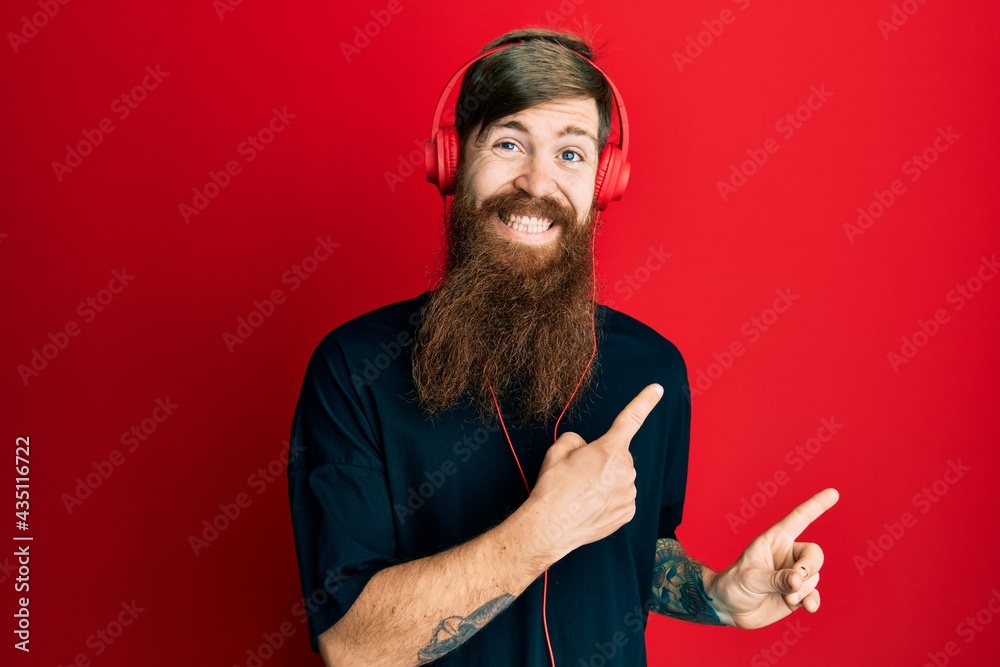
{"points": [[341, 512], [678, 435]]}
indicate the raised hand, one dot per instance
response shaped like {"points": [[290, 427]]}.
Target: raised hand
{"points": [[585, 492], [775, 575]]}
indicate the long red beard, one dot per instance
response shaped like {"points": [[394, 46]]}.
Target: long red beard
{"points": [[508, 314]]}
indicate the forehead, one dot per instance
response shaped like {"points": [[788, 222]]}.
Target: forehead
{"points": [[556, 118]]}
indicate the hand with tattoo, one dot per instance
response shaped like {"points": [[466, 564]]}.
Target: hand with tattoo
{"points": [[775, 575]]}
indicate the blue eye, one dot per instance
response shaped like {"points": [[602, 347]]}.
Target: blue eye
{"points": [[508, 145], [579, 158]]}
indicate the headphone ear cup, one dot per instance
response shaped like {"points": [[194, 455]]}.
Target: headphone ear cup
{"points": [[600, 189], [431, 161], [441, 159], [612, 176], [449, 151]]}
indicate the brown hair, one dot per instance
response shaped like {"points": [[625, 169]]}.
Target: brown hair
{"points": [[537, 71]]}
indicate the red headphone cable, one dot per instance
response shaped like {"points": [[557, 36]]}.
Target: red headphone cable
{"points": [[555, 430]]}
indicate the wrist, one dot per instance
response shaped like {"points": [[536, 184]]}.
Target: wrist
{"points": [[713, 588], [541, 541]]}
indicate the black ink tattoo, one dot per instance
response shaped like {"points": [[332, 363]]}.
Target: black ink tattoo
{"points": [[454, 630], [678, 588]]}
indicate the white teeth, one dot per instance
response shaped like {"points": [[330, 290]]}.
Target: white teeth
{"points": [[527, 224]]}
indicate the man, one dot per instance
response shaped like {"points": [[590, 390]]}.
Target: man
{"points": [[434, 517]]}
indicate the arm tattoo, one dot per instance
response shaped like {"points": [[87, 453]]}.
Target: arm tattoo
{"points": [[454, 630], [678, 589]]}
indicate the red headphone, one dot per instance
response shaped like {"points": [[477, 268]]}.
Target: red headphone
{"points": [[443, 149]]}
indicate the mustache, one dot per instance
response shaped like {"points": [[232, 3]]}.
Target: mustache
{"points": [[524, 319], [521, 203]]}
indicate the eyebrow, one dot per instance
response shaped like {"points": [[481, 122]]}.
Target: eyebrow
{"points": [[569, 130]]}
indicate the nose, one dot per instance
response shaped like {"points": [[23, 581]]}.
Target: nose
{"points": [[536, 177]]}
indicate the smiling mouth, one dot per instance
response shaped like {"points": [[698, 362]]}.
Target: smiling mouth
{"points": [[525, 224]]}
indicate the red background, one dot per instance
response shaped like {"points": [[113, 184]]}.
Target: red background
{"points": [[324, 175]]}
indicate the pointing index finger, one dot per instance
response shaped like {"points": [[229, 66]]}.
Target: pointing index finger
{"points": [[629, 420], [803, 515]]}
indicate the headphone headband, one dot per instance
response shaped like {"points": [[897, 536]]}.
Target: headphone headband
{"points": [[619, 104], [442, 151]]}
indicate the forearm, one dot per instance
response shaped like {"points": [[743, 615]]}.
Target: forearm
{"points": [[680, 584], [413, 613]]}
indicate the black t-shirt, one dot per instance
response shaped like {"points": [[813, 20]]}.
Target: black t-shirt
{"points": [[373, 482]]}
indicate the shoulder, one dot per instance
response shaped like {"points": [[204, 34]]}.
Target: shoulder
{"points": [[368, 343], [620, 328], [386, 326], [630, 339]]}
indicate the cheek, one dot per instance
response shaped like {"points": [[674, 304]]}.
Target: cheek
{"points": [[488, 180], [583, 199]]}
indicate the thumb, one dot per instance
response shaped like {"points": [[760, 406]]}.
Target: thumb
{"points": [[566, 444]]}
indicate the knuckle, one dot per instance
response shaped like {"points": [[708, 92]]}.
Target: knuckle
{"points": [[628, 419]]}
